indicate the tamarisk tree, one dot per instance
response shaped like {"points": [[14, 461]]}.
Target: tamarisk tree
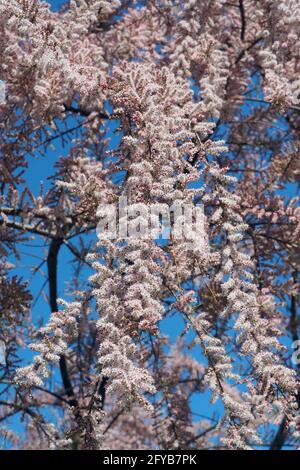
{"points": [[152, 342]]}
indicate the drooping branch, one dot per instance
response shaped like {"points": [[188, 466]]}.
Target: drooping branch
{"points": [[52, 262], [243, 19]]}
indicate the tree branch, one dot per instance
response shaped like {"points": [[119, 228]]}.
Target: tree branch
{"points": [[52, 277], [243, 19]]}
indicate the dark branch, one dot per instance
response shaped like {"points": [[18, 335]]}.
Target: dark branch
{"points": [[52, 277], [84, 112], [102, 390], [280, 436], [243, 20]]}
